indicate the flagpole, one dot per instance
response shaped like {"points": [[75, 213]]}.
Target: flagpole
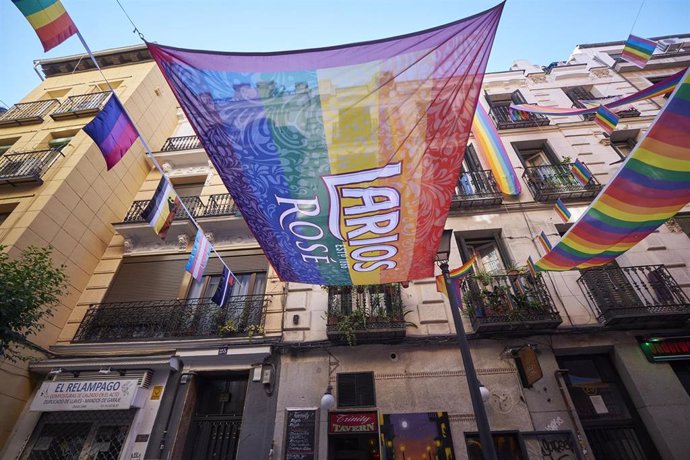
{"points": [[147, 149]]}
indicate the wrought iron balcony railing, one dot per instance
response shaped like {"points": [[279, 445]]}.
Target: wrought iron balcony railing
{"points": [[477, 189], [80, 106], [221, 204], [27, 113], [512, 302], [174, 144], [506, 118], [24, 167], [638, 296], [365, 314], [193, 203], [172, 319], [550, 182]]}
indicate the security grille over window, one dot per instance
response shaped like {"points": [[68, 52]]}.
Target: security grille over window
{"points": [[97, 435]]}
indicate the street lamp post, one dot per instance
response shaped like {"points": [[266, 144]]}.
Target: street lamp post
{"points": [[488, 451]]}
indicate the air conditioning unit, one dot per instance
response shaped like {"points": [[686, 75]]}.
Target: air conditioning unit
{"points": [[670, 45]]}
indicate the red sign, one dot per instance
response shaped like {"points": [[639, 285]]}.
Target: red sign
{"points": [[353, 422]]}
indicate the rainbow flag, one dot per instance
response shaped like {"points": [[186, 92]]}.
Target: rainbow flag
{"points": [[49, 19], [658, 89], [581, 172], [562, 211], [162, 208], [492, 147], [638, 50], [199, 256], [530, 266], [544, 240], [456, 276], [651, 186], [606, 119], [346, 158], [112, 131]]}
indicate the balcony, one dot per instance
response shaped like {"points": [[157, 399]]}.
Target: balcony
{"points": [[172, 319], [192, 203], [27, 113], [505, 118], [83, 105], [365, 314], [550, 182], [477, 189], [504, 303], [180, 143], [638, 296], [26, 167]]}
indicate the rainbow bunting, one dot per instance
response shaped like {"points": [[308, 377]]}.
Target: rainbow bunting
{"points": [[658, 89], [456, 276], [562, 211], [581, 172], [544, 240], [49, 19], [112, 131], [638, 50], [530, 266], [492, 147], [161, 210], [606, 119], [346, 158], [199, 256], [652, 185]]}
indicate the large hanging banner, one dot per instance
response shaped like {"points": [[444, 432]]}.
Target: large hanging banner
{"points": [[665, 86], [651, 186], [342, 160]]}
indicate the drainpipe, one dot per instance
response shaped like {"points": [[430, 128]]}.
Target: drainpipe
{"points": [[585, 449]]}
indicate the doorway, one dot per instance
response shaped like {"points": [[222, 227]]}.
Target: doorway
{"points": [[354, 447]]}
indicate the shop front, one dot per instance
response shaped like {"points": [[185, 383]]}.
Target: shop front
{"points": [[353, 436]]}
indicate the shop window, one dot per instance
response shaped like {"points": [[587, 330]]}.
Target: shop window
{"points": [[488, 246], [507, 445], [356, 389]]}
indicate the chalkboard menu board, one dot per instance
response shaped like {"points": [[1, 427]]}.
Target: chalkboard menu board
{"points": [[300, 437]]}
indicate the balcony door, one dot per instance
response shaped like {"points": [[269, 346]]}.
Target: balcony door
{"points": [[610, 288]]}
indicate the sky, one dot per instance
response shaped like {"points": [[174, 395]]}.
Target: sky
{"points": [[541, 31]]}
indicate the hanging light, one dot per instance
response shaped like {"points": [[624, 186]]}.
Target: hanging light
{"points": [[328, 400]]}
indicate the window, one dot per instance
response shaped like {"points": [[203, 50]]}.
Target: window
{"points": [[683, 221], [655, 80], [6, 144], [470, 162], [247, 284], [492, 255], [577, 94], [356, 389], [507, 446], [535, 153], [682, 370], [6, 210], [56, 93], [623, 142]]}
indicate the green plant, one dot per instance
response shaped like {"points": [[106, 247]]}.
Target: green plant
{"points": [[349, 324], [229, 327], [255, 329], [566, 159], [30, 288]]}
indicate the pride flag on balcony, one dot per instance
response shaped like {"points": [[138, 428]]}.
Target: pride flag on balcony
{"points": [[562, 211], [196, 265], [49, 19], [606, 119], [162, 208], [456, 276], [112, 131], [224, 289], [638, 50], [651, 186], [581, 172], [545, 243], [343, 160], [491, 146]]}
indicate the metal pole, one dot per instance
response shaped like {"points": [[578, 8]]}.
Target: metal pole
{"points": [[488, 451]]}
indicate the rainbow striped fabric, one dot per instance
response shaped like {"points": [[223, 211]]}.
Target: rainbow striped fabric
{"points": [[196, 264], [343, 160], [658, 89], [494, 152], [638, 50], [455, 277], [606, 119], [162, 208], [545, 243], [530, 266], [562, 211], [652, 185], [49, 19], [112, 131], [581, 172]]}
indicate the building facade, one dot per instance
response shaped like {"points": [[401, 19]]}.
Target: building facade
{"points": [[590, 364]]}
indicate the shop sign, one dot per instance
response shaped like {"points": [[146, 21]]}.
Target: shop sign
{"points": [[660, 349], [108, 394], [353, 422], [528, 366]]}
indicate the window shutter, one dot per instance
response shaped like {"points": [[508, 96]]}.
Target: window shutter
{"points": [[238, 264], [517, 97], [146, 280], [356, 389]]}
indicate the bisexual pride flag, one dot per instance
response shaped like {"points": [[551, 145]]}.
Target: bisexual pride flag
{"points": [[112, 131], [49, 19], [342, 160]]}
